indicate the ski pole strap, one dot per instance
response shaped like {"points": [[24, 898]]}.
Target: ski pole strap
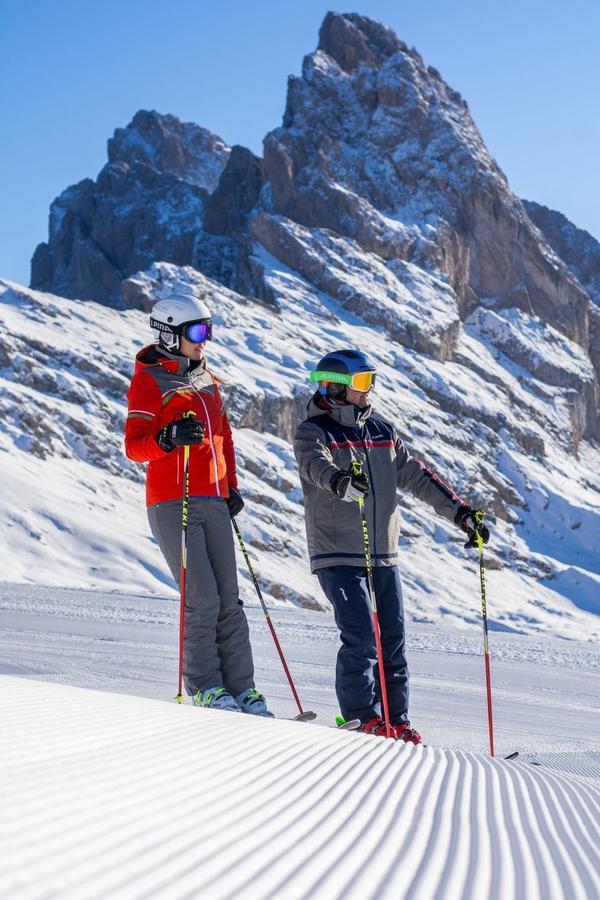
{"points": [[357, 465]]}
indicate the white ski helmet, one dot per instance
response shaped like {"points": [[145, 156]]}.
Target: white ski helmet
{"points": [[171, 318]]}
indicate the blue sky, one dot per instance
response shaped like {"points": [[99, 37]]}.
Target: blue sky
{"points": [[71, 72]]}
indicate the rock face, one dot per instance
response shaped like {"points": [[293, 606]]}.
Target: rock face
{"points": [[184, 150], [224, 248], [147, 203], [576, 247], [377, 190], [581, 252]]}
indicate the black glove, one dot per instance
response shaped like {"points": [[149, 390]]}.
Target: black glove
{"points": [[180, 432], [471, 521], [234, 502], [349, 486]]}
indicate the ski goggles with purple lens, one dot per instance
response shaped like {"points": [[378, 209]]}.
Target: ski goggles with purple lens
{"points": [[198, 332]]}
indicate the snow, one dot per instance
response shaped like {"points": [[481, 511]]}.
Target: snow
{"points": [[112, 793], [535, 344], [128, 643]]}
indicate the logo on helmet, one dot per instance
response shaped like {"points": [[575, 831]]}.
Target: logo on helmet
{"points": [[161, 326], [170, 316]]}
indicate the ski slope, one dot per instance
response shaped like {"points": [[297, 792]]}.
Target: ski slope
{"points": [[545, 690], [108, 795], [111, 793]]}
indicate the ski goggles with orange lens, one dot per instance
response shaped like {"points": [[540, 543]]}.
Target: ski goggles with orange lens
{"points": [[360, 381], [198, 332]]}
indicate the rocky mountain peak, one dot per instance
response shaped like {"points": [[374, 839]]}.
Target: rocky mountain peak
{"points": [[352, 39], [163, 142], [377, 147], [148, 203]]}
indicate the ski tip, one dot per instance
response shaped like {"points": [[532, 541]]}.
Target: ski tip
{"points": [[339, 721], [306, 716], [350, 725], [512, 755]]}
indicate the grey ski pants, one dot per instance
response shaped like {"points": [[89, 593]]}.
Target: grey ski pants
{"points": [[217, 648]]}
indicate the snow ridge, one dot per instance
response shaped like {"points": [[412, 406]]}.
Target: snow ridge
{"points": [[101, 800]]}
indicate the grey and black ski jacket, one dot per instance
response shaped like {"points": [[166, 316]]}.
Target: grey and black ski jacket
{"points": [[328, 441]]}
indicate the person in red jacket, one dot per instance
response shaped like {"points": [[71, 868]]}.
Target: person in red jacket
{"points": [[170, 381]]}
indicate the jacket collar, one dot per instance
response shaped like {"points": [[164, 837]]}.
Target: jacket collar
{"points": [[348, 414], [152, 356]]}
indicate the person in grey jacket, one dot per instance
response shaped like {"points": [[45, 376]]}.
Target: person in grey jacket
{"points": [[338, 430]]}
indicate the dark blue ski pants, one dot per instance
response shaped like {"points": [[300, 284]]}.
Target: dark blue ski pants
{"points": [[357, 672]]}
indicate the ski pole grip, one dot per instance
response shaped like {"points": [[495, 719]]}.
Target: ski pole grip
{"points": [[190, 414], [478, 519], [357, 466]]}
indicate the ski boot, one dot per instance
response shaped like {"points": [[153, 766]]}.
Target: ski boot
{"points": [[375, 726], [253, 702], [405, 732], [216, 698]]}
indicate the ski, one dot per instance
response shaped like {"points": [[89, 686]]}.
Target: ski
{"points": [[531, 762], [310, 716], [350, 725], [307, 716]]}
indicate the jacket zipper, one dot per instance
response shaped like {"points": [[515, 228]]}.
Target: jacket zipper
{"points": [[210, 437]]}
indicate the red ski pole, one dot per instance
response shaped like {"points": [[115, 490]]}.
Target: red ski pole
{"points": [[486, 652], [357, 469], [182, 576], [269, 621]]}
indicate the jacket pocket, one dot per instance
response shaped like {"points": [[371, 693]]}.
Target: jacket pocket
{"points": [[324, 524]]}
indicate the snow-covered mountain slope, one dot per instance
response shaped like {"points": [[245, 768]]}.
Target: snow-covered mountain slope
{"points": [[111, 796], [496, 421]]}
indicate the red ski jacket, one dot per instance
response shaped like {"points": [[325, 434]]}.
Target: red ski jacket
{"points": [[163, 389]]}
